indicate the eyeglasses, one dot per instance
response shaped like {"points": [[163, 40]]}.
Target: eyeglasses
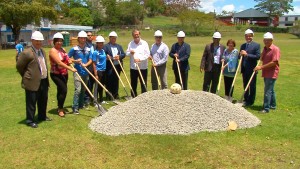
{"points": [[89, 35], [158, 37]]}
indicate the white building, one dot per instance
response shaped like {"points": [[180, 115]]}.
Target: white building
{"points": [[288, 20]]}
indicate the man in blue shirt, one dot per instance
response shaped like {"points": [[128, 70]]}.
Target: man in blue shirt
{"points": [[91, 81], [81, 55], [19, 48]]}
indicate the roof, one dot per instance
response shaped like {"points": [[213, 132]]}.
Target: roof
{"points": [[60, 27], [250, 13]]}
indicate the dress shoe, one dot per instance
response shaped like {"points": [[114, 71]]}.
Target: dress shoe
{"points": [[32, 125], [46, 119]]}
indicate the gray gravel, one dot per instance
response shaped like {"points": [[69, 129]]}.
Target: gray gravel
{"points": [[160, 112]]}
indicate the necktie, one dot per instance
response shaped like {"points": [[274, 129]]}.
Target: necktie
{"points": [[42, 65]]}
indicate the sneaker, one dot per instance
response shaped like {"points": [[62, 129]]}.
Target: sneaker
{"points": [[75, 111]]}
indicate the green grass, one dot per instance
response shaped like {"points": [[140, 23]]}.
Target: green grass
{"points": [[68, 142]]}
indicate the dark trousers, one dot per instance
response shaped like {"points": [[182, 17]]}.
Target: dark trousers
{"points": [[184, 77], [227, 83], [62, 88], [90, 85], [211, 79], [40, 98], [112, 81], [98, 91], [134, 76], [249, 96]]}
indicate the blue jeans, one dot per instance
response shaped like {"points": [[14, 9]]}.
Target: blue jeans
{"points": [[269, 94], [79, 93]]}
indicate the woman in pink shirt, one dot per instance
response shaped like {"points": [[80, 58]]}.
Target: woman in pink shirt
{"points": [[270, 69], [59, 62]]}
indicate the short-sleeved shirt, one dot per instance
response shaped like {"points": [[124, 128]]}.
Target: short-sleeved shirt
{"points": [[83, 54], [99, 57], [19, 48], [270, 54], [142, 52]]}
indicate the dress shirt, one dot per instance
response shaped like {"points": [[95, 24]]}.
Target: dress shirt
{"points": [[142, 52]]}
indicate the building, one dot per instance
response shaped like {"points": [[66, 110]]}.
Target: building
{"points": [[251, 16], [46, 28], [288, 20]]}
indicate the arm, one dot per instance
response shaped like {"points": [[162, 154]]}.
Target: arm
{"points": [[54, 56], [121, 53], [172, 52], [22, 63], [256, 55], [204, 57]]}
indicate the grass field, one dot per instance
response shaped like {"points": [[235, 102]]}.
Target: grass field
{"points": [[68, 142]]}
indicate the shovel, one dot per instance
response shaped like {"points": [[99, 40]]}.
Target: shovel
{"points": [[220, 79], [240, 102], [113, 99], [101, 110], [138, 67], [232, 85], [126, 78], [112, 64], [158, 81], [179, 73]]}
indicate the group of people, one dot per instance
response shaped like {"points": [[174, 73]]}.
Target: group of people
{"points": [[103, 63]]}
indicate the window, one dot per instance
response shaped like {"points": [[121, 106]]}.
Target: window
{"points": [[286, 18], [296, 18]]}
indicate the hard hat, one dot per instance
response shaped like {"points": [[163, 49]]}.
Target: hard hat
{"points": [[158, 33], [37, 35], [268, 35], [113, 33], [82, 34], [100, 39], [58, 36], [217, 35], [248, 31], [180, 34]]}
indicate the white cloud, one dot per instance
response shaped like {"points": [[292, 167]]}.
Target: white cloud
{"points": [[228, 8], [296, 10], [208, 6]]}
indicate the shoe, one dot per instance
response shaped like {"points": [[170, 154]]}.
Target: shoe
{"points": [[47, 119], [245, 104], [264, 111], [75, 111], [32, 125]]}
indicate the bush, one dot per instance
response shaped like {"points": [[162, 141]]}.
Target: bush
{"points": [[269, 29]]}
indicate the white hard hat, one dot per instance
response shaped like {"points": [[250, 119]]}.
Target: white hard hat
{"points": [[58, 36], [113, 33], [158, 33], [217, 35], [180, 34], [268, 35], [82, 34], [100, 39], [248, 31], [37, 35]]}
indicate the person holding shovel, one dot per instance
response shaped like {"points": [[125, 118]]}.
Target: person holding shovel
{"points": [[81, 55], [159, 55], [250, 51], [116, 54], [211, 63], [270, 69], [230, 59], [59, 61], [99, 66], [180, 52], [139, 52]]}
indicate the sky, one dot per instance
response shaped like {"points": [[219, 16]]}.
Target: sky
{"points": [[237, 6]]}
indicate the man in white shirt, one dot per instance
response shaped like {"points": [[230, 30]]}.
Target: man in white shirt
{"points": [[159, 54], [139, 52]]}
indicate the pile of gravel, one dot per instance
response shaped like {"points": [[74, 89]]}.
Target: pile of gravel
{"points": [[160, 112]]}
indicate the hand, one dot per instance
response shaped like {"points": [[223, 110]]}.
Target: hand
{"points": [[222, 60], [83, 65], [107, 57], [70, 61], [96, 76], [154, 65], [150, 57], [73, 70], [201, 70], [177, 60], [78, 61], [223, 67], [257, 68], [132, 52], [176, 55], [117, 57], [243, 53], [137, 60]]}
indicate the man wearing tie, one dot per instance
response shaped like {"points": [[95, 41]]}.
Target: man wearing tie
{"points": [[250, 51], [32, 66]]}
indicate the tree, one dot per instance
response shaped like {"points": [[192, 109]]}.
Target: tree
{"points": [[154, 7], [274, 7], [82, 16], [131, 12], [18, 13], [181, 5], [195, 19]]}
